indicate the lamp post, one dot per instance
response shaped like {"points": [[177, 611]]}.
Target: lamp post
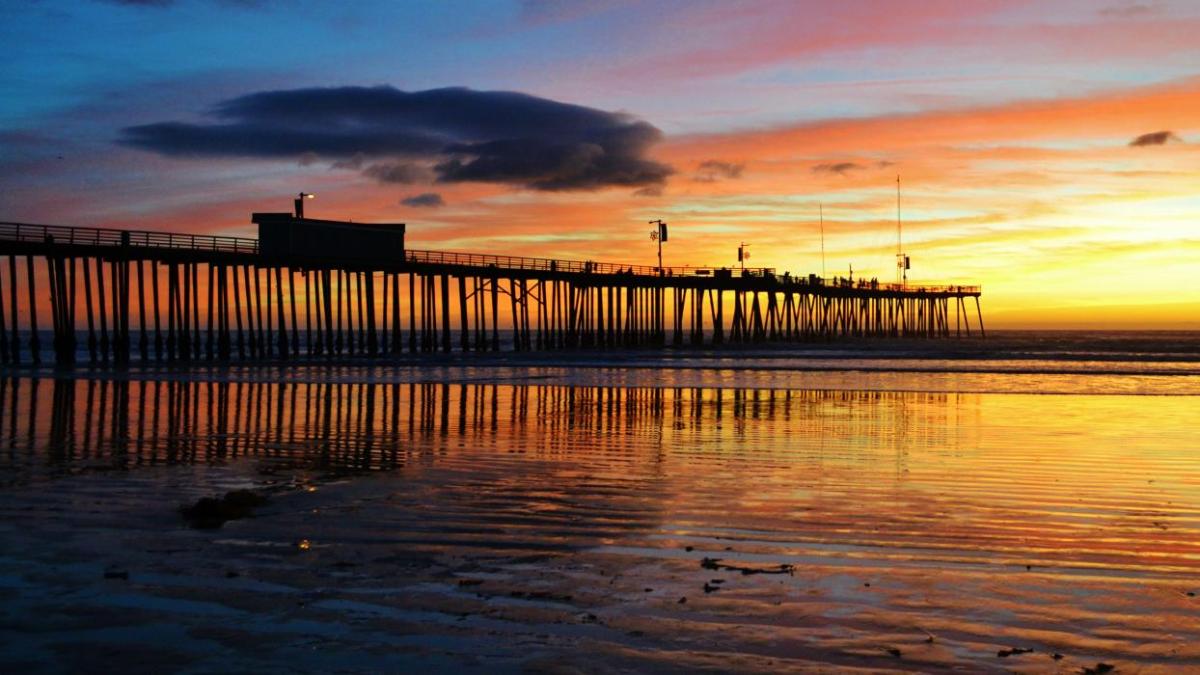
{"points": [[659, 234], [300, 203], [743, 254]]}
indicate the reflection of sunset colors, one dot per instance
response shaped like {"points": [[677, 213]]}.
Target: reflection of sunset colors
{"points": [[552, 510], [1047, 153]]}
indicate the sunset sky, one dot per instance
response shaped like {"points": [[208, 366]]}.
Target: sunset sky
{"points": [[1047, 150]]}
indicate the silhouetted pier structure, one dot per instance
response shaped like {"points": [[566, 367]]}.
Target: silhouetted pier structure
{"points": [[328, 289]]}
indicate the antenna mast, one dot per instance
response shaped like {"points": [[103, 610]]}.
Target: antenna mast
{"points": [[902, 263], [821, 210]]}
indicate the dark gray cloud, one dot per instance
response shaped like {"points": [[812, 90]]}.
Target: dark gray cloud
{"points": [[1154, 138], [713, 170], [395, 172], [459, 134], [354, 163], [840, 168], [424, 200]]}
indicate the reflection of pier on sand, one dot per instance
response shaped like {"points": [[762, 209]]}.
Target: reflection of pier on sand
{"points": [[371, 426]]}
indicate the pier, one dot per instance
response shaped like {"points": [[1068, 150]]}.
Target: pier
{"points": [[349, 290]]}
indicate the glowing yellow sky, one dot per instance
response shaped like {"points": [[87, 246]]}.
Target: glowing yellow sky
{"points": [[1045, 204]]}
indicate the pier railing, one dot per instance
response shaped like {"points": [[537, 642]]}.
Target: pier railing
{"points": [[882, 286], [508, 262], [110, 237], [99, 236], [577, 266]]}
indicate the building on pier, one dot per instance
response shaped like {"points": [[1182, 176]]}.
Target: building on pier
{"points": [[290, 240]]}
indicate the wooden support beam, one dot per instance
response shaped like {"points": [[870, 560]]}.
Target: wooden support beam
{"points": [[327, 312], [426, 313], [269, 338], [554, 337], [446, 313], [344, 337], [291, 275], [210, 346], [35, 341], [516, 325], [91, 320], [412, 312], [481, 341], [396, 338], [495, 314], [172, 308], [125, 341], [383, 316], [237, 312], [282, 317], [15, 345], [114, 288], [718, 337], [464, 333], [70, 316], [224, 344], [254, 309], [185, 314], [55, 316], [358, 290], [143, 336], [308, 313], [525, 327], [5, 354], [102, 307], [541, 314]]}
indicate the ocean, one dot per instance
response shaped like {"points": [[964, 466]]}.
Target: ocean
{"points": [[1027, 502]]}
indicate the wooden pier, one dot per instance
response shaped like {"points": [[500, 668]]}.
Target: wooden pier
{"points": [[159, 296]]}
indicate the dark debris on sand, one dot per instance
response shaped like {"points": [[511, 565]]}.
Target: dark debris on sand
{"points": [[716, 564], [209, 513]]}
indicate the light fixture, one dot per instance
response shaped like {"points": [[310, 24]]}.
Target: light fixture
{"points": [[300, 202]]}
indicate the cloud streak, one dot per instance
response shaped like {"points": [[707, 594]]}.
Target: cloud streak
{"points": [[1154, 138], [425, 200], [840, 168], [713, 170], [461, 135]]}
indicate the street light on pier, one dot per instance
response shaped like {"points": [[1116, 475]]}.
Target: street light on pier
{"points": [[659, 234], [300, 203], [743, 254]]}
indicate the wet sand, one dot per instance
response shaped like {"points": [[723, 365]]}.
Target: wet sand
{"points": [[555, 528]]}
